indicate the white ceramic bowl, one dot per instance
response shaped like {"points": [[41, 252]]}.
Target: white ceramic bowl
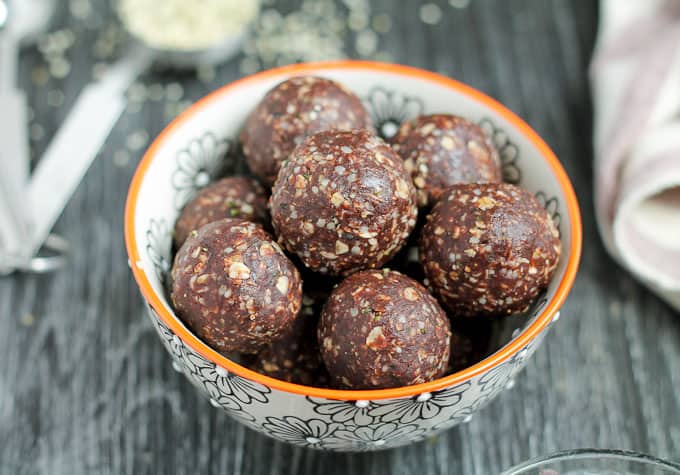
{"points": [[190, 151]]}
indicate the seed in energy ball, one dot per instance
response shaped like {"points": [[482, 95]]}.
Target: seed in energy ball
{"points": [[233, 286], [488, 249], [381, 329], [440, 150], [343, 202], [232, 197], [291, 111], [294, 356]]}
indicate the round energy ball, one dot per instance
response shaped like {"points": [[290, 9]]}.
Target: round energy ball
{"points": [[381, 329], [488, 249], [295, 357], [343, 202], [233, 286], [441, 150], [291, 111], [233, 197], [469, 343]]}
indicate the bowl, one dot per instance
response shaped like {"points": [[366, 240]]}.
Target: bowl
{"points": [[192, 150], [595, 462]]}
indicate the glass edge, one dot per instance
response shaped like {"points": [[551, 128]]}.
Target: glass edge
{"points": [[576, 454]]}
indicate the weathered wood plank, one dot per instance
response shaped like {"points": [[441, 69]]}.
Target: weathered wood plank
{"points": [[85, 387]]}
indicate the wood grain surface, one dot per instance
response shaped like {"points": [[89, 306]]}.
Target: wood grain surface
{"points": [[86, 387]]}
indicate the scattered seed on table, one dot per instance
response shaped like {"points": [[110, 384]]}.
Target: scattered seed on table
{"points": [[137, 140], [156, 92], [382, 23], [459, 3], [121, 158], [55, 98], [430, 13], [27, 319], [174, 91], [40, 76], [80, 9], [205, 73], [60, 68], [366, 43], [37, 132]]}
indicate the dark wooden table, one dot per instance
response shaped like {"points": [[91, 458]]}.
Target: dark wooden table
{"points": [[86, 387]]}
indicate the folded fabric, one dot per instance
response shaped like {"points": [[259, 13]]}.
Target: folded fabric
{"points": [[635, 77]]}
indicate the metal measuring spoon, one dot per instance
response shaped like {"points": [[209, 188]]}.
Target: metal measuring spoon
{"points": [[21, 21], [91, 119]]}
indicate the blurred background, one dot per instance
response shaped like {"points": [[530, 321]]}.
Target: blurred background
{"points": [[85, 386]]}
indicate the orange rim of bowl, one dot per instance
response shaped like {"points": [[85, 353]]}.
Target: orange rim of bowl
{"points": [[491, 361]]}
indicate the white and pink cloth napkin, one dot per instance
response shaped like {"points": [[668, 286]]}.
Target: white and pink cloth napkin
{"points": [[635, 77]]}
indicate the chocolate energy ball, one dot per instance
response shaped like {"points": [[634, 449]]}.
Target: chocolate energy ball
{"points": [[469, 343], [295, 357], [233, 286], [294, 109], [233, 197], [488, 249], [381, 329], [441, 150], [343, 202]]}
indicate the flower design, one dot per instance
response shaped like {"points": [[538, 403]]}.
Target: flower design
{"points": [[238, 390], [460, 416], [519, 358], [224, 382], [310, 433], [164, 332], [424, 406], [230, 405], [243, 416], [197, 165], [501, 376], [508, 151], [168, 340], [158, 238], [389, 109], [551, 205], [219, 398], [345, 412], [380, 436]]}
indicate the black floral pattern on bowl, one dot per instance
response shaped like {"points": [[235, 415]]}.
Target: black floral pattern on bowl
{"points": [[381, 436], [313, 433], [388, 109], [344, 412], [498, 378], [217, 381], [508, 151], [460, 416], [421, 407], [199, 163], [342, 425], [552, 206], [225, 383], [234, 409], [158, 241], [231, 396]]}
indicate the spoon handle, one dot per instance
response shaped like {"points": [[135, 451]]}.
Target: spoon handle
{"points": [[14, 154], [78, 142], [9, 56]]}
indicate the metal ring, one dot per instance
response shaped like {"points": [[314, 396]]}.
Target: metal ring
{"points": [[58, 249]]}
